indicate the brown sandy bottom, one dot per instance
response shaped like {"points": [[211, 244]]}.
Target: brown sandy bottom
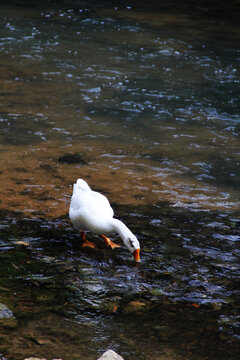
{"points": [[37, 179]]}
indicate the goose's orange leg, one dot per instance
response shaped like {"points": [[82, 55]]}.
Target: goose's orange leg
{"points": [[86, 242], [108, 242]]}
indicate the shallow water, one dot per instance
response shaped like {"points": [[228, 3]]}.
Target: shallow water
{"points": [[144, 105]]}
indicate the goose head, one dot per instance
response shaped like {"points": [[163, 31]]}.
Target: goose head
{"points": [[133, 246], [128, 238]]}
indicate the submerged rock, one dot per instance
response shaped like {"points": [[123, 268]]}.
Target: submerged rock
{"points": [[5, 312], [110, 355], [76, 158], [135, 306]]}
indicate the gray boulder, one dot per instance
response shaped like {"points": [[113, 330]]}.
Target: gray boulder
{"points": [[5, 312], [110, 355]]}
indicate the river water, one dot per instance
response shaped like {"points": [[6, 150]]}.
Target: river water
{"points": [[142, 101]]}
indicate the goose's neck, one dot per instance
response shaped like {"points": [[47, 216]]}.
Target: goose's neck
{"points": [[121, 229]]}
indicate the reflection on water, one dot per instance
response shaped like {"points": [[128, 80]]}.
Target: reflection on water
{"points": [[145, 106]]}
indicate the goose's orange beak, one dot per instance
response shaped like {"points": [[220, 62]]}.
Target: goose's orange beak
{"points": [[136, 255]]}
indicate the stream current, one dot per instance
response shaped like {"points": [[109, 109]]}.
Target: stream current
{"points": [[142, 101]]}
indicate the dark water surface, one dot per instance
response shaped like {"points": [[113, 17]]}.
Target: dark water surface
{"points": [[143, 102]]}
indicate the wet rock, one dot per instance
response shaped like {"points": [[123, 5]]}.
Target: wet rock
{"points": [[112, 304], [41, 341], [157, 292], [9, 323], [217, 306], [76, 158], [5, 312], [135, 306], [48, 259], [23, 243], [110, 355]]}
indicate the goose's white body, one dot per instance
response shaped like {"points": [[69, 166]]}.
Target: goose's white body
{"points": [[90, 210]]}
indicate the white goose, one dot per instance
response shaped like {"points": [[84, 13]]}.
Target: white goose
{"points": [[90, 210]]}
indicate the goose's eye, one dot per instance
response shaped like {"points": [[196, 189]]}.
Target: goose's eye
{"points": [[131, 243]]}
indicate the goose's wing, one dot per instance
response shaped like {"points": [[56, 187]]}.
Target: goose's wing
{"points": [[86, 205], [99, 205]]}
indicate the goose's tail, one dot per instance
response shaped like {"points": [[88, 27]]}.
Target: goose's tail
{"points": [[78, 188], [81, 185]]}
